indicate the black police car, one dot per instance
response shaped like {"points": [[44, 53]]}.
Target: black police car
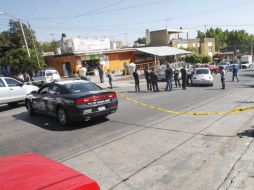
{"points": [[72, 100]]}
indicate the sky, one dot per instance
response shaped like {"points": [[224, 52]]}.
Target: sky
{"points": [[126, 20]]}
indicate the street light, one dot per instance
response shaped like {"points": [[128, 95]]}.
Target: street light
{"points": [[22, 30]]}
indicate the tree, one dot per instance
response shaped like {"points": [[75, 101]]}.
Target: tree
{"points": [[49, 46], [13, 38], [12, 51], [19, 61], [141, 40], [206, 58], [194, 58], [235, 40]]}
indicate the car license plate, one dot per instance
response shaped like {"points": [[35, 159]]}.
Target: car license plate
{"points": [[101, 108]]}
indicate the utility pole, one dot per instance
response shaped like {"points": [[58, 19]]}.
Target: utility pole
{"points": [[22, 30], [251, 48], [23, 33], [167, 22], [52, 36], [205, 30], [126, 40], [34, 44]]}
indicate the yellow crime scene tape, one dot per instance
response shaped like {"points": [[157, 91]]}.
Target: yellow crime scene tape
{"points": [[185, 113]]}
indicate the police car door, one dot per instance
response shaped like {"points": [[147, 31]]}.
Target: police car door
{"points": [[53, 98], [40, 99]]}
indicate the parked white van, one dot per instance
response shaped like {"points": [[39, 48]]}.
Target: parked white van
{"points": [[46, 76]]}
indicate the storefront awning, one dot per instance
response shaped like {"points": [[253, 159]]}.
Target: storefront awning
{"points": [[163, 51]]}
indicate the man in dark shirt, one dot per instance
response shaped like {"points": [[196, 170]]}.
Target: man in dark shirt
{"points": [[136, 79], [154, 80], [101, 73], [148, 79], [168, 77], [184, 77]]}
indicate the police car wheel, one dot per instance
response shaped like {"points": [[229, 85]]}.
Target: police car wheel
{"points": [[29, 108], [62, 116]]}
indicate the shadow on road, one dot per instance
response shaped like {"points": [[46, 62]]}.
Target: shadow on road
{"points": [[248, 75], [7, 107], [246, 133], [247, 86], [245, 102], [51, 123]]}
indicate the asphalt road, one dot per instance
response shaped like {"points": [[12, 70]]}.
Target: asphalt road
{"points": [[141, 148]]}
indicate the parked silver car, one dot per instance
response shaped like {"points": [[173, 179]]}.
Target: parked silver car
{"points": [[13, 91]]}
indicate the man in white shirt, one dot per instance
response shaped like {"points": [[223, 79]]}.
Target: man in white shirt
{"points": [[82, 73]]}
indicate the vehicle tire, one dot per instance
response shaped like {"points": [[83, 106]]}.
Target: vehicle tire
{"points": [[29, 108], [13, 104], [62, 116], [211, 85]]}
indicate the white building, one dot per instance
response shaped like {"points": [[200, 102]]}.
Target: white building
{"points": [[84, 44]]}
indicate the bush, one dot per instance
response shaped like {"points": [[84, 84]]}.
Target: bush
{"points": [[197, 58], [206, 59], [193, 58]]}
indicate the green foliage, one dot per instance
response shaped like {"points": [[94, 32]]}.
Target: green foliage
{"points": [[19, 60], [49, 46], [13, 52], [197, 58], [192, 49], [141, 40], [13, 38], [206, 58], [229, 40]]}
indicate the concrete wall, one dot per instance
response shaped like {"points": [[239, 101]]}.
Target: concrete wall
{"points": [[58, 61], [159, 38], [118, 59], [205, 44]]}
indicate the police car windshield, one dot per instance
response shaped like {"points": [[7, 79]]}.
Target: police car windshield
{"points": [[81, 87], [202, 71]]}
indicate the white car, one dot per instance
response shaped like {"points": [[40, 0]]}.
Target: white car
{"points": [[202, 76], [46, 76], [161, 73], [13, 91]]}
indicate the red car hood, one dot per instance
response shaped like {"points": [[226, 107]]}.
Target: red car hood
{"points": [[34, 172]]}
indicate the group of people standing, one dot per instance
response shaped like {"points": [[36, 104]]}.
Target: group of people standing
{"points": [[83, 75], [170, 75]]}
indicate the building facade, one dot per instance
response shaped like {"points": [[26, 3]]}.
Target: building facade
{"points": [[172, 38], [70, 64]]}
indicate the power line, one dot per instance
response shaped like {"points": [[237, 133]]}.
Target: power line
{"points": [[97, 11], [79, 15]]}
